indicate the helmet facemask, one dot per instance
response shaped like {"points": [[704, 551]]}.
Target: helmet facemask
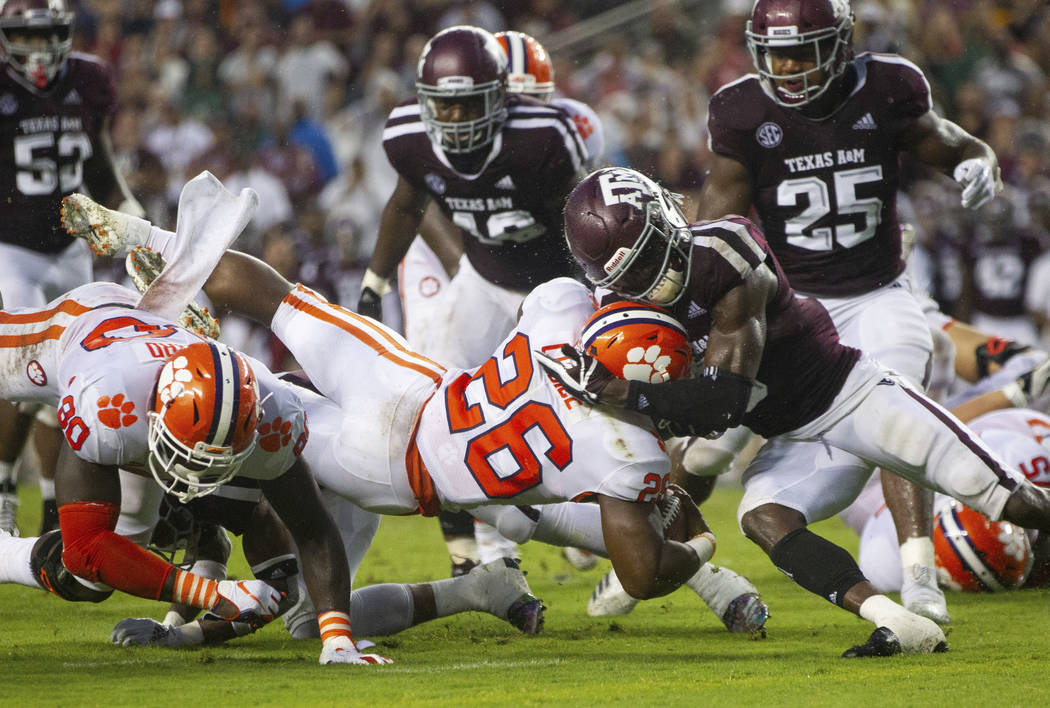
{"points": [[829, 48], [39, 62], [459, 137], [187, 473], [665, 240]]}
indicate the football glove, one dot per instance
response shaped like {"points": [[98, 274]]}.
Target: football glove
{"points": [[979, 179], [253, 602], [581, 375], [373, 288], [341, 650], [143, 632]]}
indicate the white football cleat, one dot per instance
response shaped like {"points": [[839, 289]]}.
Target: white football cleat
{"points": [[609, 598], [143, 266], [579, 558], [8, 512], [732, 597], [504, 592], [920, 594], [108, 232]]}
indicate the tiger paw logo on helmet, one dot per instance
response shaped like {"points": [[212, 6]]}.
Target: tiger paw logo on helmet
{"points": [[637, 342], [647, 364], [173, 379]]}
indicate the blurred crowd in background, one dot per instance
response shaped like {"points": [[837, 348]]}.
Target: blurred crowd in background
{"points": [[290, 97]]}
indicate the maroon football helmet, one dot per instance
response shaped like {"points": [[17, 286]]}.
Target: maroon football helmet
{"points": [[50, 20], [629, 235], [465, 64], [824, 27]]}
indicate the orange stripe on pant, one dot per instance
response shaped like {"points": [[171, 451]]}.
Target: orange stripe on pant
{"points": [[368, 334]]}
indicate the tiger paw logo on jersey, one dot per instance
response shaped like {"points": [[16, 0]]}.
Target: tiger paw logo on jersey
{"points": [[647, 364], [116, 412], [36, 373], [275, 435], [173, 379]]}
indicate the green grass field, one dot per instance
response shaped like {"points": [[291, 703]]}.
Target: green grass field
{"points": [[670, 651]]}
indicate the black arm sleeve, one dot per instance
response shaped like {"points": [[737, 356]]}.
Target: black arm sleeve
{"points": [[715, 401]]}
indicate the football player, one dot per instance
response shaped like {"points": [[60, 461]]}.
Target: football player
{"points": [[135, 391], [773, 362], [424, 275], [406, 435], [1019, 436], [55, 108], [498, 168], [813, 143]]}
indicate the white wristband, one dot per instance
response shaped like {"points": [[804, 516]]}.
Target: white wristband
{"points": [[704, 545], [1015, 394], [381, 286]]}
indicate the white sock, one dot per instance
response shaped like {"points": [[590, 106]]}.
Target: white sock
{"points": [[7, 471], [462, 549], [160, 240], [453, 595], [47, 489], [881, 610], [15, 554], [381, 610], [917, 551]]}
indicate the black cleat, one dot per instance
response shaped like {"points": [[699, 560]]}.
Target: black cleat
{"points": [[882, 642]]}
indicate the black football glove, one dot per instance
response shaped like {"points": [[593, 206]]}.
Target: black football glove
{"points": [[582, 376], [668, 429], [370, 304]]}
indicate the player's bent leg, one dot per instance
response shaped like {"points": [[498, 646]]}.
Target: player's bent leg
{"points": [[52, 575]]}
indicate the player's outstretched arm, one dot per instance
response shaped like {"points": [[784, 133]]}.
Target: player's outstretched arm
{"points": [[246, 286], [726, 190], [297, 501], [397, 227], [647, 564], [945, 146]]}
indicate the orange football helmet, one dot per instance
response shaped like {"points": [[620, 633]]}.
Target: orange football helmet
{"points": [[203, 424], [637, 342], [976, 554], [529, 68]]}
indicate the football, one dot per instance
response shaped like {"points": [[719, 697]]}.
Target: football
{"points": [[676, 509]]}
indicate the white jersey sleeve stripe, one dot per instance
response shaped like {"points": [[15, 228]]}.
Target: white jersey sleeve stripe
{"points": [[397, 131], [572, 141]]}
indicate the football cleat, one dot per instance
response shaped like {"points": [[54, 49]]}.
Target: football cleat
{"points": [[746, 614], [143, 266], [501, 583], [609, 598], [108, 232], [882, 642], [579, 558], [921, 595]]}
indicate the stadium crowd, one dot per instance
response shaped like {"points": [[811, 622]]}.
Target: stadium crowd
{"points": [[290, 97]]}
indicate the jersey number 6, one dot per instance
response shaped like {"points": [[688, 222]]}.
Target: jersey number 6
{"points": [[507, 436]]}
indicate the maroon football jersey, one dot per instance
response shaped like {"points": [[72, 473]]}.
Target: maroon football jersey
{"points": [[803, 364], [44, 140], [1001, 270], [825, 191], [510, 211]]}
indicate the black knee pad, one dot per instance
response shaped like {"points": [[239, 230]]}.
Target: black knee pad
{"points": [[46, 564], [816, 564], [456, 523]]}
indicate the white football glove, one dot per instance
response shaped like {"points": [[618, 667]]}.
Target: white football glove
{"points": [[254, 602], [341, 650], [581, 375], [979, 180], [144, 632]]}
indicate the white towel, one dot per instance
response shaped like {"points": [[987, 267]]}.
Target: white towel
{"points": [[210, 218]]}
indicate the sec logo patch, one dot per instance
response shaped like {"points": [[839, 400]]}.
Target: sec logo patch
{"points": [[769, 135], [36, 374]]}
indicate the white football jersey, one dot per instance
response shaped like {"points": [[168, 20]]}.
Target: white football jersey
{"points": [[505, 433], [1019, 436], [96, 358], [588, 125]]}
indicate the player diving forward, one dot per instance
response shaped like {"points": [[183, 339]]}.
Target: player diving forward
{"points": [[137, 392], [404, 435]]}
